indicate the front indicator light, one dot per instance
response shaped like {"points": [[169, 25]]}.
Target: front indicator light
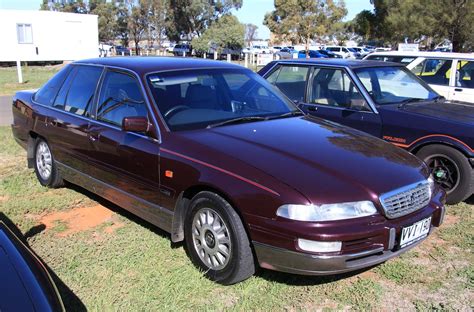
{"points": [[317, 246]]}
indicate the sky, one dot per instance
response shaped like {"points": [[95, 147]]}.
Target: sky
{"points": [[252, 11]]}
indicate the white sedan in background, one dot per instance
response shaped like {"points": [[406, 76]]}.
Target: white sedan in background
{"points": [[449, 74]]}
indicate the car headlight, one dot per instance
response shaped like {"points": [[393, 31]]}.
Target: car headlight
{"points": [[327, 212]]}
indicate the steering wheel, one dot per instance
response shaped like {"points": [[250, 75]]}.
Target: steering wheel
{"points": [[175, 109]]}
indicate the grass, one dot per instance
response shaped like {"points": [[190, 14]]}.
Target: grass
{"points": [[136, 267], [33, 78]]}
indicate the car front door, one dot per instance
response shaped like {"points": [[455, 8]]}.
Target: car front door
{"points": [[463, 89], [332, 95], [126, 163]]}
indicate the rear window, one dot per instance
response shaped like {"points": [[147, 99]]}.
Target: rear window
{"points": [[48, 92], [78, 90], [392, 58]]}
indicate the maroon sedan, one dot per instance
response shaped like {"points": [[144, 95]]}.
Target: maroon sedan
{"points": [[215, 155]]}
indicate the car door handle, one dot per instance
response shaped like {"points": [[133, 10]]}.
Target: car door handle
{"points": [[93, 136], [55, 123], [312, 108], [458, 90]]}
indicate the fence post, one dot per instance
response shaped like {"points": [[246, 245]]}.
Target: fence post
{"points": [[229, 58], [204, 55], [18, 71], [246, 56], [215, 55]]}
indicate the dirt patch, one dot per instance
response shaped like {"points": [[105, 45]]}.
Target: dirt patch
{"points": [[110, 229], [78, 219], [3, 198], [450, 220]]}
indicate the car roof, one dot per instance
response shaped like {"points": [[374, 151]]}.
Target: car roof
{"points": [[426, 54], [146, 64], [340, 62]]}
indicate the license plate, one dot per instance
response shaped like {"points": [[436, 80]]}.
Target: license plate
{"points": [[415, 232]]}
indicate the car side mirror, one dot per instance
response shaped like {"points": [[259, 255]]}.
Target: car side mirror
{"points": [[136, 124]]}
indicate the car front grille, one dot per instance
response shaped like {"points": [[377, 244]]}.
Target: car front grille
{"points": [[406, 199]]}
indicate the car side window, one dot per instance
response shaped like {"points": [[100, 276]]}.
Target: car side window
{"points": [[77, 92], [333, 87], [48, 92], [434, 71], [291, 80], [465, 74], [120, 97]]}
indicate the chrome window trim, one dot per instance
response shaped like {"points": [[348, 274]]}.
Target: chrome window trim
{"points": [[89, 119]]}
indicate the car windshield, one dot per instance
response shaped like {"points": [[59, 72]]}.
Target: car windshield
{"points": [[394, 85], [197, 99]]}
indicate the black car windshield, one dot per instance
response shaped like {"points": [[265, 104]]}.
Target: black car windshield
{"points": [[394, 85], [196, 99]]}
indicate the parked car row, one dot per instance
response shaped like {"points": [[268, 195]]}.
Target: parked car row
{"points": [[218, 157]]}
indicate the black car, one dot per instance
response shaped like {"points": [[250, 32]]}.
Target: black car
{"points": [[390, 102], [25, 284]]}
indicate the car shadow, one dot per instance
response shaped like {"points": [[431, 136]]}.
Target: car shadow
{"points": [[470, 200], [124, 213], [305, 280], [70, 300]]}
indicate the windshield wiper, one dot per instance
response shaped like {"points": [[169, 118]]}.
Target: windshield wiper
{"points": [[287, 114], [236, 120], [410, 100]]}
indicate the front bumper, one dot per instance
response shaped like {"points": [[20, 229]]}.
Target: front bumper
{"points": [[284, 260], [305, 263]]}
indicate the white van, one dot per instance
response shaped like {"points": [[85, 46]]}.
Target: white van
{"points": [[449, 74]]}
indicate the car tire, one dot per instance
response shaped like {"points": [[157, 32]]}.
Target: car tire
{"points": [[45, 167], [216, 240], [464, 185]]}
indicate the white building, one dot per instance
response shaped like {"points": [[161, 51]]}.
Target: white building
{"points": [[47, 36]]}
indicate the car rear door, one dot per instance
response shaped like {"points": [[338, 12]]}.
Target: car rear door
{"points": [[68, 124], [126, 162], [463, 87]]}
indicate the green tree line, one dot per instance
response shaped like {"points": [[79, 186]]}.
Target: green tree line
{"points": [[394, 21]]}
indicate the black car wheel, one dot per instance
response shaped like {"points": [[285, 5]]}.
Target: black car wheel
{"points": [[451, 170], [45, 168], [216, 240]]}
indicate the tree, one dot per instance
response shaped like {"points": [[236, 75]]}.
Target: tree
{"points": [[250, 33], [121, 29], [305, 20], [227, 32], [157, 13], [363, 24], [190, 18], [107, 20], [137, 23]]}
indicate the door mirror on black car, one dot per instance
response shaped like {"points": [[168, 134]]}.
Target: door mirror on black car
{"points": [[136, 124]]}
